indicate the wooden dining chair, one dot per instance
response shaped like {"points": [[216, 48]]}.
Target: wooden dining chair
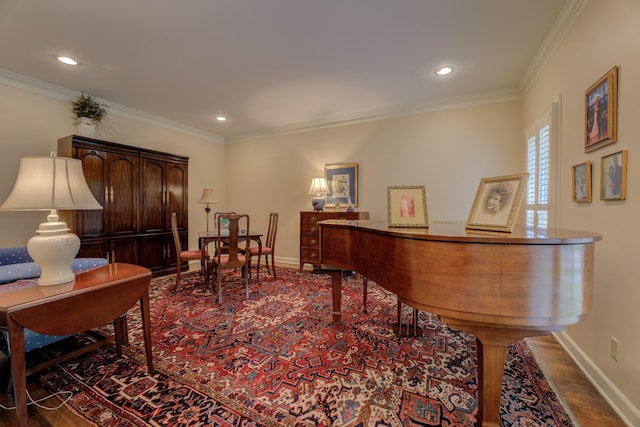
{"points": [[181, 256], [235, 248], [268, 249], [215, 223]]}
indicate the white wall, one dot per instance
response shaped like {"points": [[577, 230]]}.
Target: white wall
{"points": [[606, 34], [30, 125], [447, 151]]}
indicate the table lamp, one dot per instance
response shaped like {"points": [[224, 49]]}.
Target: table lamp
{"points": [[51, 184], [208, 198], [319, 188]]}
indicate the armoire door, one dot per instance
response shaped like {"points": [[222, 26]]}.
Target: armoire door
{"points": [[123, 194], [154, 178], [177, 184]]}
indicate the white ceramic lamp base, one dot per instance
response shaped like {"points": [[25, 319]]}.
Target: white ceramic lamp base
{"points": [[53, 249]]}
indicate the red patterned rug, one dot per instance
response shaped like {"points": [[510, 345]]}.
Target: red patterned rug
{"points": [[278, 359]]}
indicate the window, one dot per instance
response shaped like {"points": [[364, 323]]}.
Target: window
{"points": [[542, 147]]}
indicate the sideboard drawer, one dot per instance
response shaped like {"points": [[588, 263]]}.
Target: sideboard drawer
{"points": [[310, 233]]}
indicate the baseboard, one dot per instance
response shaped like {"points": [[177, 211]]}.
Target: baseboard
{"points": [[280, 261], [618, 401]]}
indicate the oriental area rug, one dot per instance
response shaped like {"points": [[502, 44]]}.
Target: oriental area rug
{"points": [[277, 359]]}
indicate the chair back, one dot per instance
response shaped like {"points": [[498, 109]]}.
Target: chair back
{"points": [[217, 214], [176, 236], [232, 242], [272, 230]]}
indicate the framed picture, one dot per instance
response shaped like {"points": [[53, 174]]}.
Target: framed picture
{"points": [[343, 183], [407, 206], [601, 111], [613, 176], [497, 202], [581, 178]]}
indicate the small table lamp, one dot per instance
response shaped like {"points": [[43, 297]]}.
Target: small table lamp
{"points": [[208, 198], [51, 184], [319, 188]]}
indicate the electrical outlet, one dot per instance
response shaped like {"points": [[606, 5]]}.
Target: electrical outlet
{"points": [[615, 347]]}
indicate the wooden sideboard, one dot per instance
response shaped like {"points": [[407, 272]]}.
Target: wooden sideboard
{"points": [[310, 233], [138, 189]]}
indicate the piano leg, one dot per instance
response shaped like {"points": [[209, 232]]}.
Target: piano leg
{"points": [[492, 343], [336, 284]]}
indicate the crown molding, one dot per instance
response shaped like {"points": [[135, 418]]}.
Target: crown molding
{"points": [[560, 28], [39, 87], [503, 95]]}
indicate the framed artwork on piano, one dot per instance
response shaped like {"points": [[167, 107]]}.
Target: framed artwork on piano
{"points": [[497, 203], [407, 206]]}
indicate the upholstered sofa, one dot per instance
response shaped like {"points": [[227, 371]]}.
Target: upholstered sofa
{"points": [[16, 264]]}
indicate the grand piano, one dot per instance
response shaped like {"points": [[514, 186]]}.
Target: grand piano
{"points": [[501, 287]]}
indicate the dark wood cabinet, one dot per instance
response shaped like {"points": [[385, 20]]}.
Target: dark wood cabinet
{"points": [[165, 184], [113, 179], [138, 190], [310, 233]]}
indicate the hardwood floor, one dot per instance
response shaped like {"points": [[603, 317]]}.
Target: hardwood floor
{"points": [[588, 407]]}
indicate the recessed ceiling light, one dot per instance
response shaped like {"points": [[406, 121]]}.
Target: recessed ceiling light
{"points": [[67, 60], [443, 71], [221, 119]]}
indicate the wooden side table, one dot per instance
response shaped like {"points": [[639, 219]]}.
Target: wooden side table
{"points": [[310, 233], [95, 298]]}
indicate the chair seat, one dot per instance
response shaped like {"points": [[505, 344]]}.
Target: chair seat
{"points": [[254, 250], [188, 255], [224, 259], [195, 254]]}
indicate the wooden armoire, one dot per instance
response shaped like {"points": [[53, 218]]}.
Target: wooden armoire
{"points": [[138, 189]]}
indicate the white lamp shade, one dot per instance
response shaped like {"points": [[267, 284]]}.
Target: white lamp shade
{"points": [[319, 186], [46, 183], [208, 196], [52, 184]]}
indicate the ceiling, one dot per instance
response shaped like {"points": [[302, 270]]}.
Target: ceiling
{"points": [[280, 65]]}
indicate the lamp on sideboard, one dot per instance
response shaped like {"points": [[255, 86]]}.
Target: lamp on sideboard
{"points": [[208, 198], [318, 188], [51, 184]]}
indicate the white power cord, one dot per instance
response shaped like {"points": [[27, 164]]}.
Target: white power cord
{"points": [[68, 395]]}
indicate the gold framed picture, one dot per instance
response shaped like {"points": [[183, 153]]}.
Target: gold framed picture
{"points": [[581, 178], [342, 180], [497, 202], [407, 206], [601, 111], [613, 176]]}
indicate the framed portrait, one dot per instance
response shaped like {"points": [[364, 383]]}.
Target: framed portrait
{"points": [[613, 176], [497, 202], [407, 206], [601, 103], [581, 178], [342, 180]]}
